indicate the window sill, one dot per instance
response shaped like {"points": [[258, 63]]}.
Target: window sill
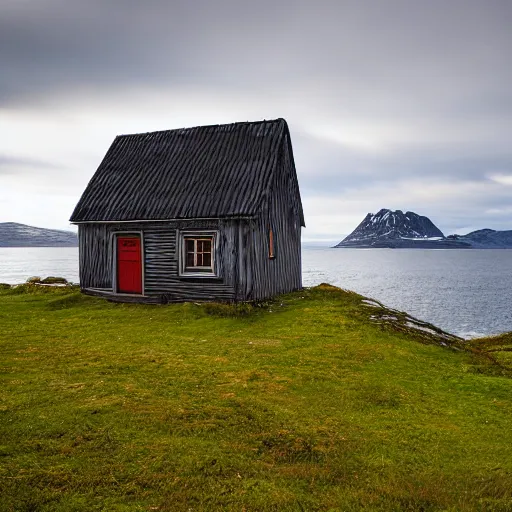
{"points": [[199, 279]]}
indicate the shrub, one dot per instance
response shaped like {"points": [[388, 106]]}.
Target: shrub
{"points": [[54, 280], [228, 310], [36, 289]]}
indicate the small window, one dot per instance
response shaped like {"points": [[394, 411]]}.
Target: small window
{"points": [[197, 254], [271, 253]]}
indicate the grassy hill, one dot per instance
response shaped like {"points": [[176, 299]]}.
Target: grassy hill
{"points": [[315, 401]]}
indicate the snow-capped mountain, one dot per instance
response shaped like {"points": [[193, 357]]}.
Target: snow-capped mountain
{"points": [[388, 225], [409, 230], [13, 234]]}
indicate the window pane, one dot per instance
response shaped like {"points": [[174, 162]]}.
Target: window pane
{"points": [[198, 253]]}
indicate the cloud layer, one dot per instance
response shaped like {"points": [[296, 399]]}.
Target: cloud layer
{"points": [[395, 104]]}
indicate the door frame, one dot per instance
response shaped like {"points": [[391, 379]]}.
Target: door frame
{"points": [[113, 239]]}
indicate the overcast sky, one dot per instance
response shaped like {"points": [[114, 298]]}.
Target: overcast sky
{"points": [[400, 104]]}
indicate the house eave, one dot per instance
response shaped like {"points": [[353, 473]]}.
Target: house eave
{"points": [[230, 217]]}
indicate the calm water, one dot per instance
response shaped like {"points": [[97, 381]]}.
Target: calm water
{"points": [[17, 264], [467, 292]]}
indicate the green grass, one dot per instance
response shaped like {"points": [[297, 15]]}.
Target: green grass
{"points": [[302, 404], [497, 348]]}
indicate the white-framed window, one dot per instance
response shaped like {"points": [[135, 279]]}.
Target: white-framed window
{"points": [[197, 253]]}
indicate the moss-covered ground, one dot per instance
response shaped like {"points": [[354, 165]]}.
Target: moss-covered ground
{"points": [[303, 403]]}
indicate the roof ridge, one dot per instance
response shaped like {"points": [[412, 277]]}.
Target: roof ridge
{"points": [[190, 128]]}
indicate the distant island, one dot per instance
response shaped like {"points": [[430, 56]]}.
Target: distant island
{"points": [[13, 234], [399, 230]]}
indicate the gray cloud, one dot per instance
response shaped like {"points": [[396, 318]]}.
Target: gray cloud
{"points": [[421, 49], [376, 93], [10, 165], [337, 168]]}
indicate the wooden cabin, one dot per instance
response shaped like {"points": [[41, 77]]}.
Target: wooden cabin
{"points": [[205, 213]]}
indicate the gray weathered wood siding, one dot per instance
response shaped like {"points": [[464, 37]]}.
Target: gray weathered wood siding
{"points": [[95, 255], [285, 219], [160, 259], [245, 270], [259, 275]]}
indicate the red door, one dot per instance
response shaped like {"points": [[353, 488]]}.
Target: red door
{"points": [[129, 265]]}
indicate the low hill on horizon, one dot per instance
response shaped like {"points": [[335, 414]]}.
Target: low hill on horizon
{"points": [[14, 234], [486, 239]]}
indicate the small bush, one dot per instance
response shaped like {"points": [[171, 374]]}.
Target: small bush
{"points": [[5, 286], [36, 289], [54, 280], [327, 287], [228, 310], [33, 280]]}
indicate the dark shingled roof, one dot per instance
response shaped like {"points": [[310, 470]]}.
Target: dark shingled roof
{"points": [[207, 171]]}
